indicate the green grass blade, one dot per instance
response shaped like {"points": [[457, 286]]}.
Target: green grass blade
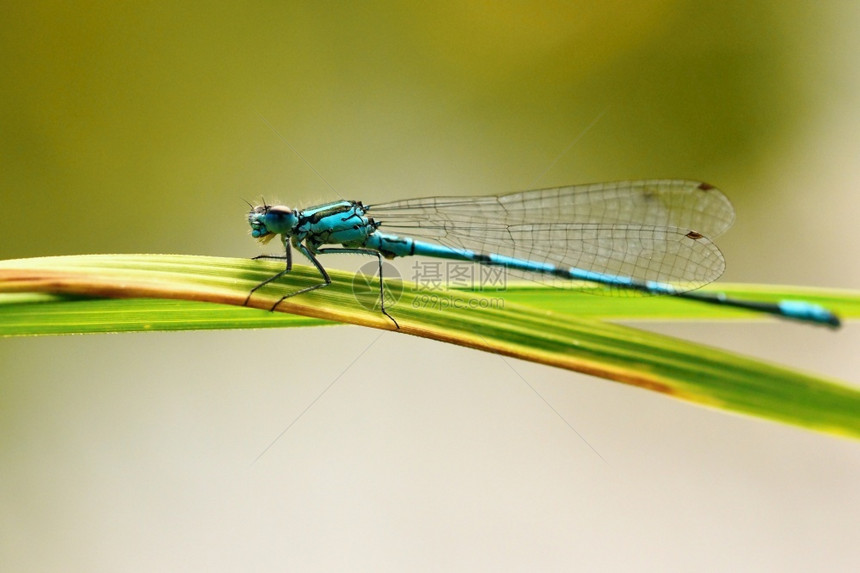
{"points": [[845, 303], [68, 294], [39, 314]]}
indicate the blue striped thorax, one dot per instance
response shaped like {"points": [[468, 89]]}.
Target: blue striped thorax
{"points": [[339, 223]]}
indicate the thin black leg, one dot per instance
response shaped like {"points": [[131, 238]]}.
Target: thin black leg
{"points": [[378, 256], [325, 276], [326, 279], [287, 256]]}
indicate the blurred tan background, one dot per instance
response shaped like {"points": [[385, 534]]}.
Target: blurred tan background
{"points": [[142, 128]]}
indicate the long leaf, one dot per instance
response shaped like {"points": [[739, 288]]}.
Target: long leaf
{"points": [[73, 294]]}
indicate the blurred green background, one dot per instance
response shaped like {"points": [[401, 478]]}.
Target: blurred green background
{"points": [[142, 127]]}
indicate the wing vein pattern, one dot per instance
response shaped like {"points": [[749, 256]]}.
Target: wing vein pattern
{"points": [[650, 230]]}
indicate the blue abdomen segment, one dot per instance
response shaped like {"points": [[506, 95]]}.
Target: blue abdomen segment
{"points": [[808, 311], [392, 246]]}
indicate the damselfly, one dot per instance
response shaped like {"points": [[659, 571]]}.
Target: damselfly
{"points": [[651, 237]]}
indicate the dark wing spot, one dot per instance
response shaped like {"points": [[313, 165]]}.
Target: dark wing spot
{"points": [[694, 235], [705, 186]]}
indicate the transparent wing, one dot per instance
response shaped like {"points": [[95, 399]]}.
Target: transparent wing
{"points": [[691, 205], [646, 230]]}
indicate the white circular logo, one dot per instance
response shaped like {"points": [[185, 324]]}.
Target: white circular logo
{"points": [[365, 285]]}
